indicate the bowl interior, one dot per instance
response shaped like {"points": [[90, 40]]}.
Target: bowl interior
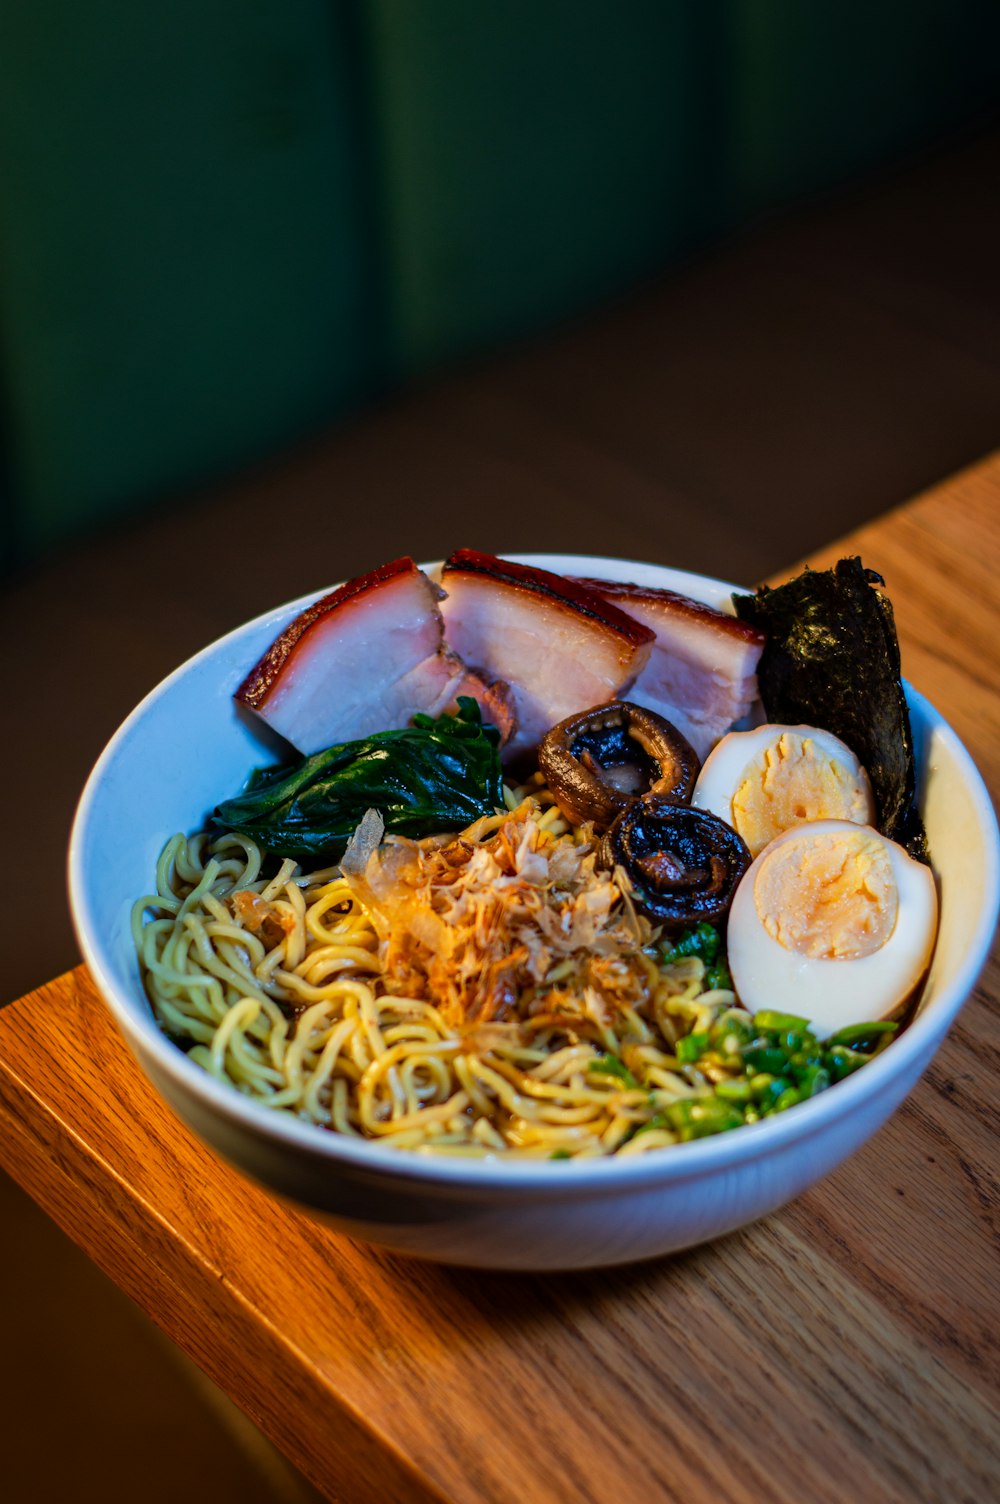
{"points": [[186, 747]]}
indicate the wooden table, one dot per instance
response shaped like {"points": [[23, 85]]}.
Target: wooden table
{"points": [[847, 1347]]}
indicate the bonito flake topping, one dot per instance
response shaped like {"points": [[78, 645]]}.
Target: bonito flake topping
{"points": [[503, 923]]}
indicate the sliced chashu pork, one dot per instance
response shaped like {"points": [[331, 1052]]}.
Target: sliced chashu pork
{"points": [[365, 658], [702, 671], [560, 646]]}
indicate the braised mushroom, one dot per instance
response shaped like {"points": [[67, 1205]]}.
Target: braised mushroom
{"points": [[683, 864], [598, 762]]}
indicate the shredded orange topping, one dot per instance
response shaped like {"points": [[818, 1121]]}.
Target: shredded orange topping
{"points": [[516, 926]]}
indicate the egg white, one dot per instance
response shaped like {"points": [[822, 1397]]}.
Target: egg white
{"points": [[833, 992], [732, 760]]}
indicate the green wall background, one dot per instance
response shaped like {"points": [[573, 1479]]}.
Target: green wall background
{"points": [[223, 225], [183, 278]]}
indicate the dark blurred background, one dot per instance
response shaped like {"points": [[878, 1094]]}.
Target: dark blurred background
{"points": [[293, 287]]}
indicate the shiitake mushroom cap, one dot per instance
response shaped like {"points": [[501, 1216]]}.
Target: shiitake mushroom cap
{"points": [[596, 763], [683, 864]]}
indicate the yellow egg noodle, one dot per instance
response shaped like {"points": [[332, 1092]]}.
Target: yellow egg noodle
{"points": [[469, 994]]}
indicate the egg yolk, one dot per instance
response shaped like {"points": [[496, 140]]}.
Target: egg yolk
{"points": [[790, 781], [832, 896]]}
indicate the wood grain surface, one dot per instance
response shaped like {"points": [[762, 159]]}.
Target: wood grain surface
{"points": [[847, 1347]]}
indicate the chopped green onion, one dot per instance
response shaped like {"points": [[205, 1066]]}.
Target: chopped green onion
{"points": [[844, 1062], [656, 1121], [866, 1037], [610, 1065], [698, 1117], [692, 1047], [718, 978], [767, 1089], [759, 1065], [703, 940], [768, 1019], [810, 1079], [806, 1059], [739, 1089], [788, 1098], [766, 1057]]}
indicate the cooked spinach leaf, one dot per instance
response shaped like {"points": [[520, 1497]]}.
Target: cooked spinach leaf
{"points": [[832, 660], [434, 775]]}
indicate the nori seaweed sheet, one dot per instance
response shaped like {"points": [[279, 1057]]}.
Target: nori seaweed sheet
{"points": [[831, 660]]}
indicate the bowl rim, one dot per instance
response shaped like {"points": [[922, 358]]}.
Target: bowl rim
{"points": [[611, 1173]]}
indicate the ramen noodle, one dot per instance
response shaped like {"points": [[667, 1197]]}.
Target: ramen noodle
{"points": [[491, 991]]}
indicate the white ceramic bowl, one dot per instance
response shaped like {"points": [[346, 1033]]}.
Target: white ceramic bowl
{"points": [[185, 747]]}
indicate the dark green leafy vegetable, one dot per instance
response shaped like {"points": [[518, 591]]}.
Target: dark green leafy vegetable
{"points": [[434, 775], [831, 660]]}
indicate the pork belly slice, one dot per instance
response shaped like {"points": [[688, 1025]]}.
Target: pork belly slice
{"points": [[365, 658], [436, 684], [702, 672], [559, 646]]}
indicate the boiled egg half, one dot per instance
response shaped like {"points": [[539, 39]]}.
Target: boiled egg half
{"points": [[832, 922], [761, 782]]}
